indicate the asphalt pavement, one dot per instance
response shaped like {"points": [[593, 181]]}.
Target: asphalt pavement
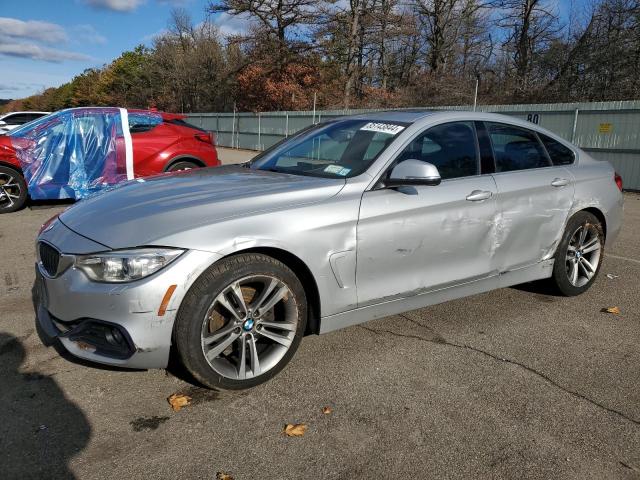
{"points": [[515, 383]]}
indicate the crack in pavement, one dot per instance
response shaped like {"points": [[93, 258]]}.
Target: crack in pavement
{"points": [[439, 339]]}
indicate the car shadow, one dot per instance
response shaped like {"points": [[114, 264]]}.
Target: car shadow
{"points": [[47, 204], [541, 287], [41, 430], [178, 370]]}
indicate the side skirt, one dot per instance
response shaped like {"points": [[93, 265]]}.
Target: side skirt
{"points": [[538, 271]]}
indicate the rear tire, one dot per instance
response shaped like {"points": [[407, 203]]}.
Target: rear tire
{"points": [[240, 322], [182, 165], [13, 190], [579, 255]]}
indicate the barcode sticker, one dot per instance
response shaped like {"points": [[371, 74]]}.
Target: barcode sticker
{"points": [[389, 128]]}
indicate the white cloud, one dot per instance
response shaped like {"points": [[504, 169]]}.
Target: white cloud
{"points": [[19, 87], [24, 39], [230, 25], [115, 5], [20, 82], [88, 34], [33, 30], [175, 3], [36, 52]]}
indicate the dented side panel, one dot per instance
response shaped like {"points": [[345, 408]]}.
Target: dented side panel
{"points": [[531, 215], [415, 239], [595, 189]]}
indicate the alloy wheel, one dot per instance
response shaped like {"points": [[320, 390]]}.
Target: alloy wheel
{"points": [[10, 190], [249, 327], [583, 255]]}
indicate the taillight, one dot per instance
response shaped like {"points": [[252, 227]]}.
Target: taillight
{"points": [[618, 179], [206, 137]]}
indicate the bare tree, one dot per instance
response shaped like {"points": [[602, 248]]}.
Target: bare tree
{"points": [[531, 25], [439, 20], [281, 20]]}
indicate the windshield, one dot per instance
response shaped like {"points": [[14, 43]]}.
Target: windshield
{"points": [[338, 149]]}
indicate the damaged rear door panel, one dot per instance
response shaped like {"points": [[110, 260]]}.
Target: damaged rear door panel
{"points": [[534, 198]]}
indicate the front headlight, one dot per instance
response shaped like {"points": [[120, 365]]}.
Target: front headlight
{"points": [[126, 265]]}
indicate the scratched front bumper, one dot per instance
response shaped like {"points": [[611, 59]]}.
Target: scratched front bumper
{"points": [[64, 302]]}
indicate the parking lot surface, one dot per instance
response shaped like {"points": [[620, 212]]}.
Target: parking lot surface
{"points": [[515, 383]]}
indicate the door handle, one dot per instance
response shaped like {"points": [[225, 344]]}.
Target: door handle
{"points": [[560, 182], [479, 195]]}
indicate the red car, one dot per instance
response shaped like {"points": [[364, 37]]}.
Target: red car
{"points": [[160, 142]]}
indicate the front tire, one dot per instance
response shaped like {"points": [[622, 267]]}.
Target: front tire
{"points": [[579, 255], [13, 190], [241, 322]]}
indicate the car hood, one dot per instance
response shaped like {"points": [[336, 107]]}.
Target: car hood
{"points": [[143, 211]]}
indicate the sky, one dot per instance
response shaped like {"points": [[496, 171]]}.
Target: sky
{"points": [[45, 43]]}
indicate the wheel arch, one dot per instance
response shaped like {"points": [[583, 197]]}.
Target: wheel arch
{"points": [[302, 271], [184, 158], [12, 166], [599, 215]]}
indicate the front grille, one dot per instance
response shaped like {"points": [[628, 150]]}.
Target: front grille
{"points": [[49, 258]]}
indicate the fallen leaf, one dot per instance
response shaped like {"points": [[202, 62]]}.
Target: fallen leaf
{"points": [[294, 429], [327, 410], [177, 401], [223, 476], [614, 310]]}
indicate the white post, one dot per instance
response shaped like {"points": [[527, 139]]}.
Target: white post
{"points": [[259, 132], [314, 107], [475, 97], [286, 125], [233, 125], [575, 126]]}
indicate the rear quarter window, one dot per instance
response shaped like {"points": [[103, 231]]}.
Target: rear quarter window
{"points": [[560, 155], [143, 122]]}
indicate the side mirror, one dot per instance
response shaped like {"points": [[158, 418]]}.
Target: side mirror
{"points": [[2, 123], [413, 172]]}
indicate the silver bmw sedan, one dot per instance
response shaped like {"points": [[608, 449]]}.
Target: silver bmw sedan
{"points": [[349, 220]]}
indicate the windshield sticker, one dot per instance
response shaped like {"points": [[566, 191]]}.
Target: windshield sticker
{"points": [[389, 128], [333, 169], [337, 170]]}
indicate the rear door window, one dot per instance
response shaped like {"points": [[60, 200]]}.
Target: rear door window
{"points": [[516, 148], [560, 155]]}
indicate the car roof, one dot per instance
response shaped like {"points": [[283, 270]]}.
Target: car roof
{"points": [[164, 115], [425, 115], [405, 116]]}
